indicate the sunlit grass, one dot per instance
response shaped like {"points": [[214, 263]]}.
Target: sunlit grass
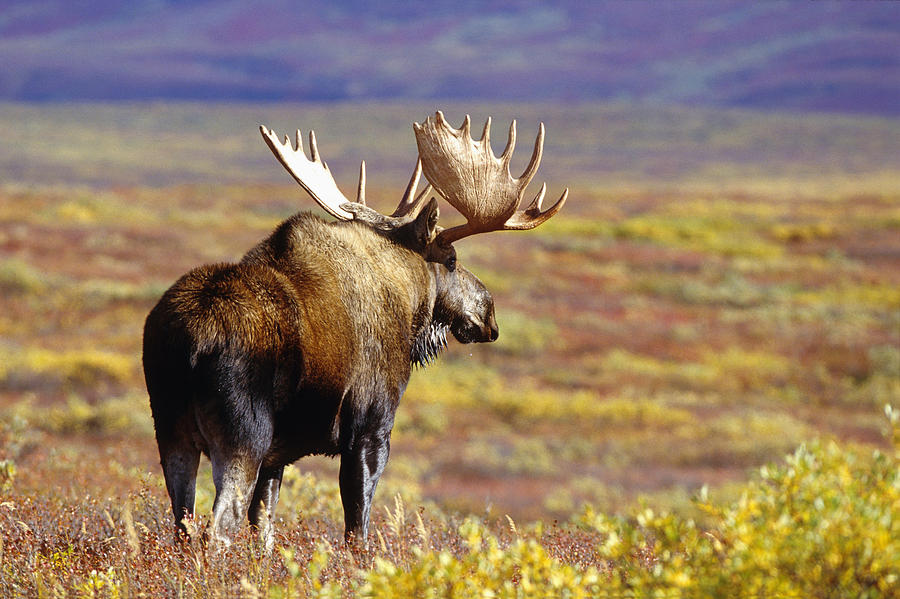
{"points": [[76, 367], [113, 416]]}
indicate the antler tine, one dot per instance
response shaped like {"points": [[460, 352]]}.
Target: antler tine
{"points": [[506, 156], [412, 208], [421, 197], [413, 182], [409, 204], [312, 174], [361, 189], [532, 216], [313, 148], [486, 134], [466, 129], [535, 162], [535, 206]]}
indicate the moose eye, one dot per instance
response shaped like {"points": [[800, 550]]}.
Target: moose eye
{"points": [[451, 263]]}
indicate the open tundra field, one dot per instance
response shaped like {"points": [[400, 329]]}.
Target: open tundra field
{"points": [[689, 388]]}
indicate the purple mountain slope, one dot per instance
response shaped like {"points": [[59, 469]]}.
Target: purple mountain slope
{"points": [[782, 55]]}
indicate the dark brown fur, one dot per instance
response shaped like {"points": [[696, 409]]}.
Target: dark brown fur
{"points": [[304, 347]]}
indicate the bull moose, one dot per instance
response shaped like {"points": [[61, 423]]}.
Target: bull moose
{"points": [[306, 345]]}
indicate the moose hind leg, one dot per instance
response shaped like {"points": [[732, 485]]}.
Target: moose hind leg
{"points": [[262, 505], [180, 470], [179, 457], [235, 478], [234, 420]]}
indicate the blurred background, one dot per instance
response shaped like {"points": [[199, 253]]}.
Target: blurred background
{"points": [[722, 286]]}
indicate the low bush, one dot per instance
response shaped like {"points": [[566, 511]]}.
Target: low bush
{"points": [[826, 523]]}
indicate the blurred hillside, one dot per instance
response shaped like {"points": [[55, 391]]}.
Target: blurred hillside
{"points": [[588, 146], [798, 56]]}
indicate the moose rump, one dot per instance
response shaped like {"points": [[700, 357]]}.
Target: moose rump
{"points": [[219, 362]]}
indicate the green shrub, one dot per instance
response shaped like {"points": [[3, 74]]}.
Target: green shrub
{"points": [[84, 367], [7, 475], [525, 335], [17, 276], [485, 569], [826, 523], [124, 415], [306, 496]]}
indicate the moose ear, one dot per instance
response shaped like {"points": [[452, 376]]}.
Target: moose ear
{"points": [[415, 234], [425, 226]]}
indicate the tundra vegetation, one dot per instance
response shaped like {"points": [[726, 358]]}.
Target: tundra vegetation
{"points": [[687, 396]]}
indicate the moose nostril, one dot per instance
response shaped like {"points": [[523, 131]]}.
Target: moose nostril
{"points": [[495, 332]]}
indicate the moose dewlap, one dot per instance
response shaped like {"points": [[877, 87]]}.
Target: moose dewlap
{"points": [[306, 345]]}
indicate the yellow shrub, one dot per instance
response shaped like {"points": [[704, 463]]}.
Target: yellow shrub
{"points": [[523, 334], [76, 212], [803, 232], [454, 384], [82, 367], [739, 369], [523, 569], [129, 414], [17, 276], [304, 495], [623, 362], [876, 295], [7, 474], [715, 235], [824, 524]]}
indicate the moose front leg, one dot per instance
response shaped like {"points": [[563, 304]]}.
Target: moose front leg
{"points": [[361, 466]]}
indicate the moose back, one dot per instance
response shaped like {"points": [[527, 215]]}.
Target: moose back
{"points": [[306, 345]]}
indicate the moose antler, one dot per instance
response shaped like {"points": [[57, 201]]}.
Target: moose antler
{"points": [[475, 182], [314, 176]]}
